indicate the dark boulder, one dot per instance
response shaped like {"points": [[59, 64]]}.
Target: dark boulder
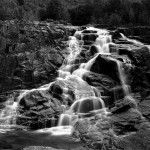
{"points": [[106, 65], [89, 38], [38, 109], [140, 56], [139, 74]]}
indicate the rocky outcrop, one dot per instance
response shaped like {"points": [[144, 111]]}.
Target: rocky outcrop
{"points": [[141, 33], [29, 69], [107, 66], [38, 109], [127, 119], [30, 53], [114, 130], [123, 123], [137, 65]]}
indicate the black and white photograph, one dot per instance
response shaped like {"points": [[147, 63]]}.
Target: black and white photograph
{"points": [[74, 74]]}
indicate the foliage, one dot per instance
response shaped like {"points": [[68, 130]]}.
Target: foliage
{"points": [[81, 14], [55, 10], [42, 14], [124, 12], [20, 2], [3, 14], [115, 19]]}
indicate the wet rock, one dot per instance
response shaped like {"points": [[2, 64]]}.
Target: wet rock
{"points": [[109, 130], [87, 105], [59, 89], [140, 33], [89, 38], [103, 84], [116, 35], [139, 74], [93, 50], [107, 66], [70, 89], [119, 126], [38, 109], [144, 108], [140, 56], [129, 120], [119, 92], [138, 141]]}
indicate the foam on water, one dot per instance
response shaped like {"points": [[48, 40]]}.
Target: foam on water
{"points": [[132, 40], [58, 131]]}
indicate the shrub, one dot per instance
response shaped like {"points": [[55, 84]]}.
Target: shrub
{"points": [[146, 4], [2, 44], [42, 15], [55, 10], [81, 14], [144, 18], [19, 12], [114, 20], [3, 14], [114, 6], [20, 2]]}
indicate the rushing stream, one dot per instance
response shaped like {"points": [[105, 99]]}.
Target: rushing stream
{"points": [[87, 100]]}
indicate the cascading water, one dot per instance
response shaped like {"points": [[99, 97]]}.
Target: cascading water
{"points": [[135, 42], [8, 114], [87, 100]]}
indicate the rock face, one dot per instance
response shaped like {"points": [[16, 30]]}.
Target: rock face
{"points": [[107, 66], [27, 58], [38, 109], [139, 33], [119, 77], [128, 120]]}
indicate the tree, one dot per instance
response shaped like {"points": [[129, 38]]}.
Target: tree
{"points": [[81, 14], [3, 14], [137, 9], [115, 19], [99, 9], [42, 15], [146, 4], [55, 10], [114, 6], [20, 2]]}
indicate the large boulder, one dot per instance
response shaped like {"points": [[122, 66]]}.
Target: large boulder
{"points": [[113, 129], [27, 58], [139, 77], [27, 69], [38, 109], [89, 38], [108, 66]]}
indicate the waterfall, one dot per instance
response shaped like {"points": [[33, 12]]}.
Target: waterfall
{"points": [[86, 102], [135, 42], [122, 76]]}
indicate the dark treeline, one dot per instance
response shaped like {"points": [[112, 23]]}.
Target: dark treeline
{"points": [[79, 12]]}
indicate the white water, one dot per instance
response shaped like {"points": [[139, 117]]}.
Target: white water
{"points": [[9, 113], [83, 97], [132, 40]]}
